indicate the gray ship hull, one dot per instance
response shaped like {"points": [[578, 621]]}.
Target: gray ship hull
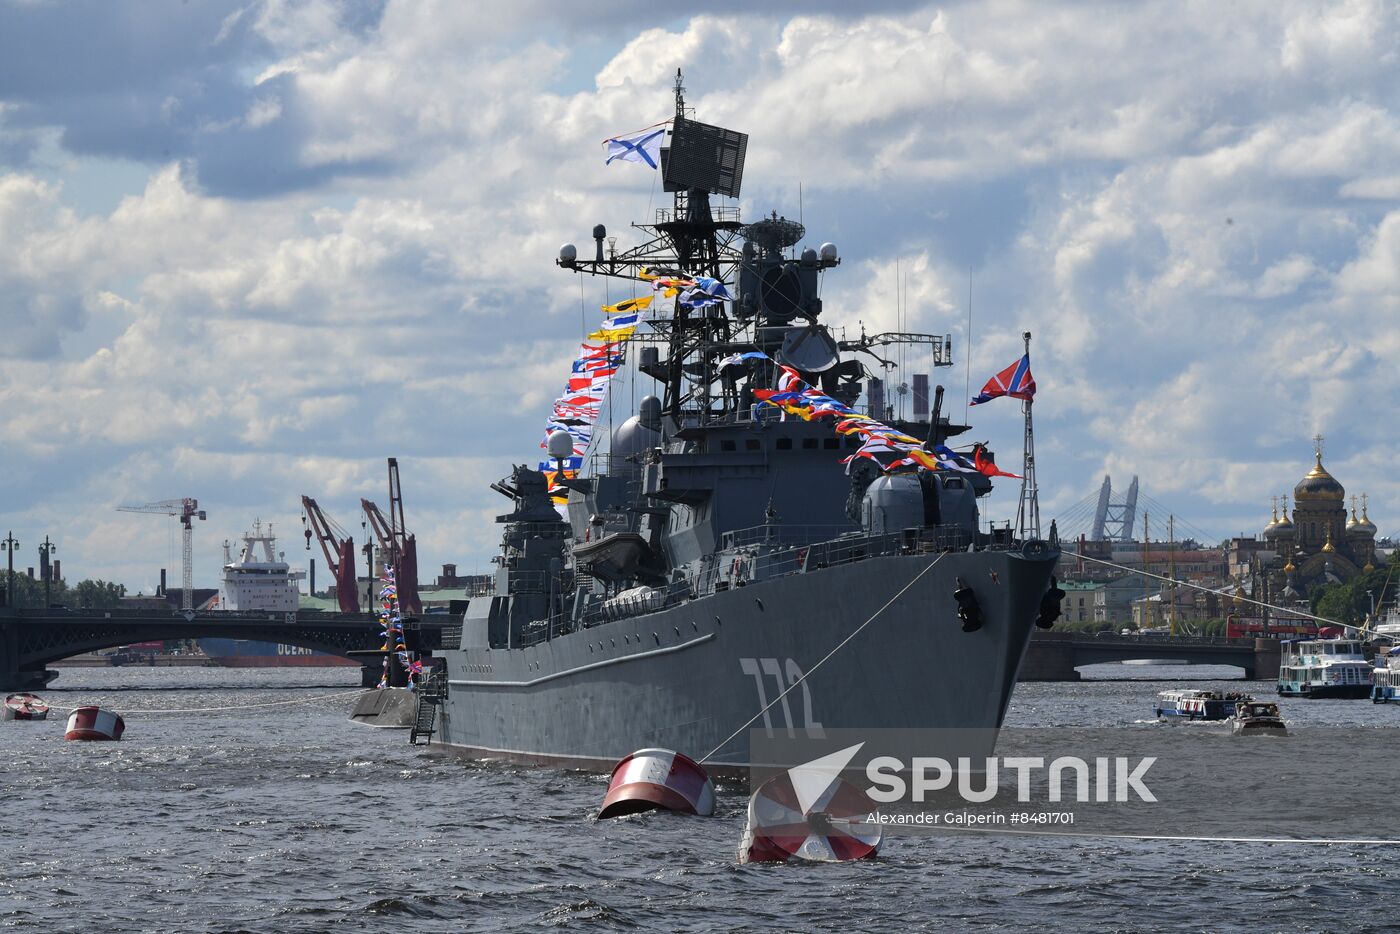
{"points": [[687, 677]]}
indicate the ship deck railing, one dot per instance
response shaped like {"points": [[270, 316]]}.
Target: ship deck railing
{"points": [[613, 465], [733, 570], [779, 534], [720, 213]]}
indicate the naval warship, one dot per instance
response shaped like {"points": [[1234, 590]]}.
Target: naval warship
{"points": [[716, 549]]}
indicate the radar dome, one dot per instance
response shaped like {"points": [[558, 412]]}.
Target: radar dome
{"points": [[828, 252], [561, 445], [649, 413], [568, 253]]}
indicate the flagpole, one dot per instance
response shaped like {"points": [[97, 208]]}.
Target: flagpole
{"points": [[1028, 510]]}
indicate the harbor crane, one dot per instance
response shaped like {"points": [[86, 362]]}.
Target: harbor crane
{"points": [[396, 542], [339, 548], [186, 510]]}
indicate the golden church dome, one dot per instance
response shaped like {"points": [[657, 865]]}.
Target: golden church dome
{"points": [[1363, 525], [1318, 485]]}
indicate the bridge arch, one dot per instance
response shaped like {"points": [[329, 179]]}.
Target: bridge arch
{"points": [[33, 639]]}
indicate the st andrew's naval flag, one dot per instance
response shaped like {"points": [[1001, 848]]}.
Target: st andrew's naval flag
{"points": [[1014, 381], [645, 147]]}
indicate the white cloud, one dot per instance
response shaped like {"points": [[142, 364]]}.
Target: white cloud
{"points": [[344, 249]]}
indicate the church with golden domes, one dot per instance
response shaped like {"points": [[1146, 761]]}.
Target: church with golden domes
{"points": [[1319, 544]]}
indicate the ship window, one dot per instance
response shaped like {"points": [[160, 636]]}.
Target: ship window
{"points": [[853, 441], [784, 444], [809, 444], [831, 444], [727, 446], [751, 444]]}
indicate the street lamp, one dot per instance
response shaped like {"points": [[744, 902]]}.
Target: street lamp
{"points": [[46, 548], [9, 544]]}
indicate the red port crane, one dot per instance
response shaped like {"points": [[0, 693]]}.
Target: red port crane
{"points": [[339, 548], [400, 547]]}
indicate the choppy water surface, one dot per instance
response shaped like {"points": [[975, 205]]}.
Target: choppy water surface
{"points": [[294, 819]]}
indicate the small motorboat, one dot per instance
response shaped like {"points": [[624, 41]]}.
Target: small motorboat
{"points": [[25, 707], [1257, 717]]}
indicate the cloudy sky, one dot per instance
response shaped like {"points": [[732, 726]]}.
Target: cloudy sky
{"points": [[249, 249]]}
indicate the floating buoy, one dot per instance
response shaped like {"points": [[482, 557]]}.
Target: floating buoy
{"points": [[810, 813], [651, 779], [25, 707], [94, 723]]}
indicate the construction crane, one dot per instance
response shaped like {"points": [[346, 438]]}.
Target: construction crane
{"points": [[186, 510], [394, 540], [339, 548]]}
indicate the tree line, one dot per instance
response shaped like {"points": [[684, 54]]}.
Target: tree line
{"points": [[85, 594]]}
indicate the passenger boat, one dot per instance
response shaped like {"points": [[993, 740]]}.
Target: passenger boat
{"points": [[1333, 668], [1257, 717], [1385, 679], [1386, 631], [1194, 704], [25, 707]]}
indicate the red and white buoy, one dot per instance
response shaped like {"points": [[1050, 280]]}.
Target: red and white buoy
{"points": [[94, 723], [25, 707], [651, 779], [810, 813]]}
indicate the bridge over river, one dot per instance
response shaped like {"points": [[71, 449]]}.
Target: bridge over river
{"points": [[1054, 655], [30, 640]]}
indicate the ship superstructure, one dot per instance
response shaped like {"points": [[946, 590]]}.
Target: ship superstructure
{"points": [[260, 578], [724, 537]]}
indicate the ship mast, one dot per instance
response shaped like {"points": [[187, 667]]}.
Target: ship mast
{"points": [[690, 239]]}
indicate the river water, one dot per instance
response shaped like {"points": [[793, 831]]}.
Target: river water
{"points": [[291, 818]]}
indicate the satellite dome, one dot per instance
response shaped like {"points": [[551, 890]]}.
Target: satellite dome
{"points": [[568, 253], [633, 437], [560, 445], [828, 252]]}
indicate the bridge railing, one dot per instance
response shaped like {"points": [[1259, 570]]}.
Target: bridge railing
{"points": [[1113, 638]]}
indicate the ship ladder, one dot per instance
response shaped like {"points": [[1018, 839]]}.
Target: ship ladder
{"points": [[426, 719], [430, 696]]}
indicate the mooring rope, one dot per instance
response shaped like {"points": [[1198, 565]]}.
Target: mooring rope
{"points": [[769, 706], [299, 700]]}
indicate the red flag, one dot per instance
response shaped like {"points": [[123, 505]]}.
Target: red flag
{"points": [[987, 467]]}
